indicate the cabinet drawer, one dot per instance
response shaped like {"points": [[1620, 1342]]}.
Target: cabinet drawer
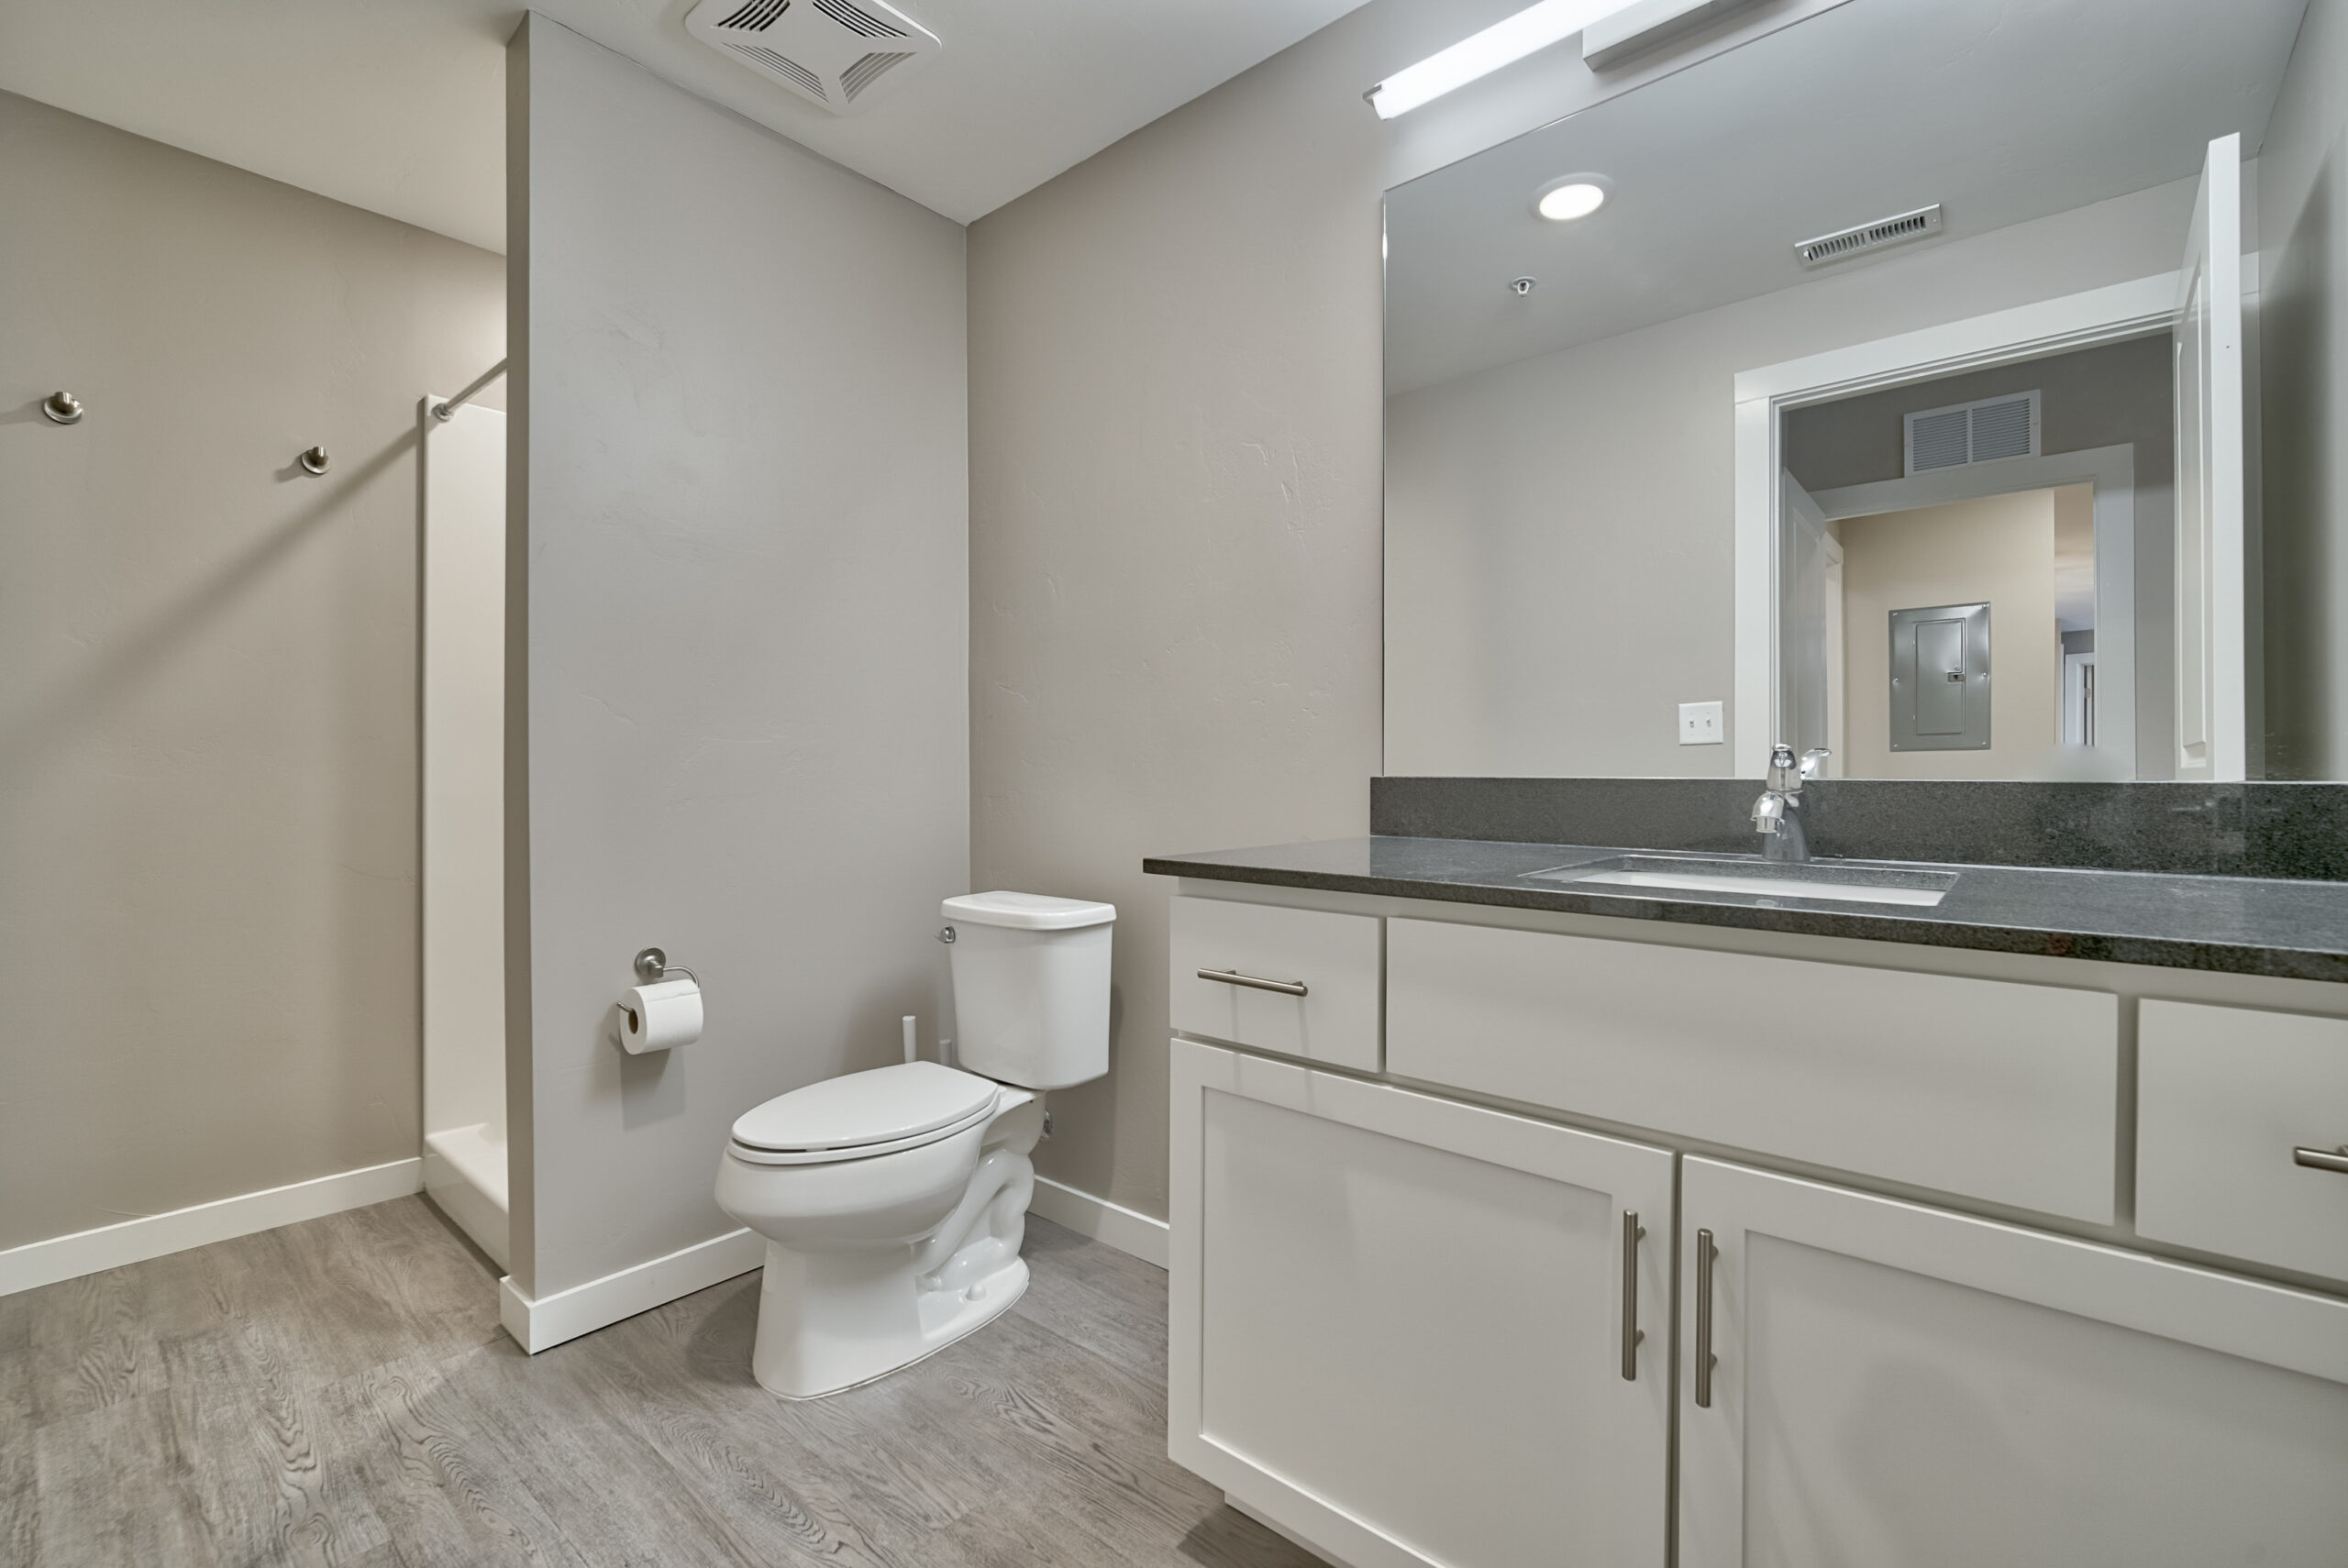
{"points": [[1332, 958], [2223, 1096], [2004, 1092]]}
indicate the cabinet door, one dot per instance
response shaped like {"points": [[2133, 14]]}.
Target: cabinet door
{"points": [[1397, 1324], [1895, 1384]]}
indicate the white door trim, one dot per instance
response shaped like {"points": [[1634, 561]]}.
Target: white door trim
{"points": [[2109, 314], [1837, 668], [2212, 495], [2112, 471]]}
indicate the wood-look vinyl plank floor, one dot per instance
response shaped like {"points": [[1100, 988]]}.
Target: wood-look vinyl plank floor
{"points": [[338, 1392]]}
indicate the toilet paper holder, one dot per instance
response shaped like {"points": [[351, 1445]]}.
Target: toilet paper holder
{"points": [[652, 965]]}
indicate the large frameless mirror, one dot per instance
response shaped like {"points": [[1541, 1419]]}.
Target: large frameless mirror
{"points": [[1889, 386]]}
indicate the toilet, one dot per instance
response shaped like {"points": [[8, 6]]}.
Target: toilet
{"points": [[894, 1201]]}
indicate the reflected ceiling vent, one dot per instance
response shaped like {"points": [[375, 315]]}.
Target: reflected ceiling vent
{"points": [[1967, 433], [844, 54], [1881, 235]]}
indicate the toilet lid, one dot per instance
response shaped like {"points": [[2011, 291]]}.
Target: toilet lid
{"points": [[1027, 912], [881, 1106]]}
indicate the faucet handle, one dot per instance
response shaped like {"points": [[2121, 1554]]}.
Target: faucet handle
{"points": [[1814, 760]]}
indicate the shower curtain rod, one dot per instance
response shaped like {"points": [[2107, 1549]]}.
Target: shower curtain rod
{"points": [[445, 412]]}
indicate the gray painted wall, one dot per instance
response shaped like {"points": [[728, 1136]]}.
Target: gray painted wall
{"points": [[207, 671], [2303, 343], [1175, 517], [742, 545]]}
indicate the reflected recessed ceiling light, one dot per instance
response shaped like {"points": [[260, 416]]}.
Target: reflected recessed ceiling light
{"points": [[1577, 198]]}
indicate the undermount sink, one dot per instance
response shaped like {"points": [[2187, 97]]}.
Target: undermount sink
{"points": [[1755, 878]]}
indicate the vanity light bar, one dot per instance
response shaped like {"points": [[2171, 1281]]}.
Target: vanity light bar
{"points": [[1502, 43], [1639, 26]]}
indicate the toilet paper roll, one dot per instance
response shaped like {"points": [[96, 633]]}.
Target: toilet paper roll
{"points": [[660, 1017]]}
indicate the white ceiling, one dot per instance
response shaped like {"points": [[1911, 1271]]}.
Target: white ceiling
{"points": [[2002, 110], [398, 105]]}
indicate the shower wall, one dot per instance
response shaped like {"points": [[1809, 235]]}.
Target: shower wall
{"points": [[463, 713], [208, 842]]}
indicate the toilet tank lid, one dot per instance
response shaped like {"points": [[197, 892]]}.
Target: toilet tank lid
{"points": [[881, 1105], [1027, 912]]}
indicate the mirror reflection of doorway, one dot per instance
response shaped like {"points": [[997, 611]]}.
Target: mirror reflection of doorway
{"points": [[1856, 582], [2015, 487], [2178, 706]]}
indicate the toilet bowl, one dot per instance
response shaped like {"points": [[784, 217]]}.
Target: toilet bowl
{"points": [[894, 1201]]}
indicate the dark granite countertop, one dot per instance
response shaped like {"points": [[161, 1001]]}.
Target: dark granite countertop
{"points": [[2293, 929]]}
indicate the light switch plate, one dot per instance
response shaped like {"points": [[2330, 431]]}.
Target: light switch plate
{"points": [[1701, 724]]}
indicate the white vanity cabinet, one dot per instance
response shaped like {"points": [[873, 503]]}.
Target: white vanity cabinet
{"points": [[1937, 1333], [1398, 1322], [1899, 1383]]}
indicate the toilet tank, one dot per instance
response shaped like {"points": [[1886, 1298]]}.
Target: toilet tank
{"points": [[1031, 987]]}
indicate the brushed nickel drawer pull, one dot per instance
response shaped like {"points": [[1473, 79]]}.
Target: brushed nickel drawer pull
{"points": [[1233, 977], [1705, 1252], [1632, 1333], [2322, 1159]]}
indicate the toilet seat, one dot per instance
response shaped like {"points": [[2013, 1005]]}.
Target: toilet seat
{"points": [[859, 1115]]}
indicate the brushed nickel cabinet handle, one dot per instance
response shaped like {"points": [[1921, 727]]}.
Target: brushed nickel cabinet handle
{"points": [[1632, 1333], [1233, 977], [1705, 1252], [2322, 1159]]}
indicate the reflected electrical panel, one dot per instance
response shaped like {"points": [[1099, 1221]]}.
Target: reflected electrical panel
{"points": [[1940, 679]]}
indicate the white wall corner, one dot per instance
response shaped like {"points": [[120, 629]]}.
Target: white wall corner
{"points": [[548, 1321], [1111, 1224], [37, 1264]]}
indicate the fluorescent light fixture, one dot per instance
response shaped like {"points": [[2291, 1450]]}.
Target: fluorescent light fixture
{"points": [[1571, 199], [1502, 43], [1643, 24]]}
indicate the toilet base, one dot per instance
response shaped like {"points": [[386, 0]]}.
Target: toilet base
{"points": [[830, 1322]]}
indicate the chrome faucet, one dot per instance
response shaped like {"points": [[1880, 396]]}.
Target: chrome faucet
{"points": [[1777, 815]]}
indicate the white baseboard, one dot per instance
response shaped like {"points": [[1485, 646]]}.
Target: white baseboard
{"points": [[1111, 1224], [37, 1264], [547, 1321], [541, 1323]]}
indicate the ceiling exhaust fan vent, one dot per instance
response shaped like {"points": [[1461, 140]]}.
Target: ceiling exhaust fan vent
{"points": [[780, 65], [1877, 236], [755, 16], [836, 53], [866, 72], [859, 20]]}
